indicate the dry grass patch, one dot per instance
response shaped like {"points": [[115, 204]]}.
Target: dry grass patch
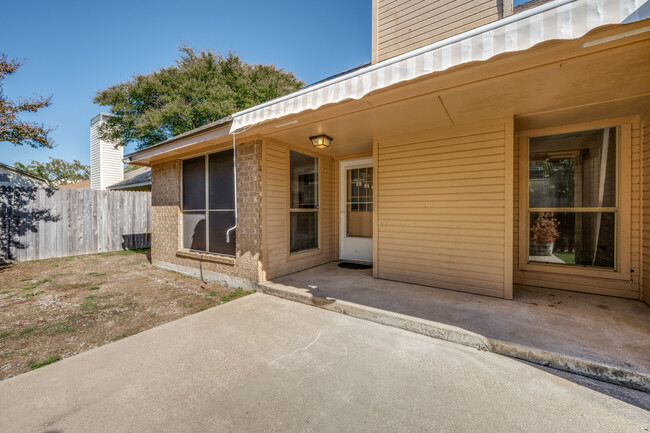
{"points": [[52, 309]]}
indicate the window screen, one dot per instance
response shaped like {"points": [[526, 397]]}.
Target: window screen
{"points": [[221, 186], [220, 222], [303, 202], [572, 200], [194, 231], [194, 184], [304, 181], [304, 231], [209, 203]]}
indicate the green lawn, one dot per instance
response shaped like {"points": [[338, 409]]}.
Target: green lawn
{"points": [[568, 258]]}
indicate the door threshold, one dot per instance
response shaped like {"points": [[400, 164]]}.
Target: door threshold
{"points": [[354, 264], [357, 262]]}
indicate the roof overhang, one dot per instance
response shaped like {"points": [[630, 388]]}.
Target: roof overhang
{"points": [[178, 145], [559, 19], [128, 186]]}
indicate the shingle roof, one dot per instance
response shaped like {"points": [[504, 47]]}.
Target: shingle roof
{"points": [[24, 173], [138, 177], [82, 184]]}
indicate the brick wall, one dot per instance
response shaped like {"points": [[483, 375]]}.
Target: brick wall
{"points": [[166, 222]]}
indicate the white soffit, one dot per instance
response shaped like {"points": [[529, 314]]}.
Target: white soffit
{"points": [[559, 19]]}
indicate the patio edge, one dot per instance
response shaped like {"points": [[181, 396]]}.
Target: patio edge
{"points": [[594, 370]]}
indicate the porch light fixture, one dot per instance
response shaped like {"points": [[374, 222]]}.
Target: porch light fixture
{"points": [[321, 141]]}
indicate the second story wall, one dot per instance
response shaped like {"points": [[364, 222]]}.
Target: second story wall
{"points": [[400, 26]]}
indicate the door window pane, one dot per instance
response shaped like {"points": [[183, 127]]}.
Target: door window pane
{"points": [[304, 181], [304, 231], [194, 183], [359, 202], [573, 238], [220, 222], [573, 170], [194, 231], [359, 223], [221, 182]]}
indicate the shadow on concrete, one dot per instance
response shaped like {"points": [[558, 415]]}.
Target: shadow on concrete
{"points": [[636, 398], [600, 329]]}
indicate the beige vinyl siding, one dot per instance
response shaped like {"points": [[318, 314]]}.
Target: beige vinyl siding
{"points": [[405, 25], [276, 213], [630, 254], [441, 209], [645, 241]]}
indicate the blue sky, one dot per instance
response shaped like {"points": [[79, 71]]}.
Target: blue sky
{"points": [[72, 49]]}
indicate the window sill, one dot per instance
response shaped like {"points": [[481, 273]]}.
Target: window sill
{"points": [[580, 271], [304, 253], [206, 257]]}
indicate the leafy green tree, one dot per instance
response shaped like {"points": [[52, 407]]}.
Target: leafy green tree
{"points": [[12, 129], [57, 171], [130, 167], [201, 88]]}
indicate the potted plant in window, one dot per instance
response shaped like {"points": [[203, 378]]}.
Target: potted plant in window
{"points": [[543, 234]]}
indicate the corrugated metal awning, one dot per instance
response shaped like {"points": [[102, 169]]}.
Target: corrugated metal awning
{"points": [[560, 19]]}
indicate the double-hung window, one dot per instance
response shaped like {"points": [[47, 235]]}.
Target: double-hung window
{"points": [[573, 198], [208, 203], [303, 207]]}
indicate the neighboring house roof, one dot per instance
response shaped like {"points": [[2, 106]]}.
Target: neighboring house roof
{"points": [[82, 184], [23, 173], [137, 178], [558, 19]]}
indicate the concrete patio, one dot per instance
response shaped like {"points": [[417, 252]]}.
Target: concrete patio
{"points": [[596, 336], [263, 364]]}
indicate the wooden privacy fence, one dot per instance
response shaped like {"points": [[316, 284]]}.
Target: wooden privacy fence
{"points": [[40, 223]]}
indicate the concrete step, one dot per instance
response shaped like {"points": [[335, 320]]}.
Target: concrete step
{"points": [[584, 367]]}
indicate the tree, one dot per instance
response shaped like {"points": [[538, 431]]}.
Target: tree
{"points": [[13, 129], [57, 171], [202, 87]]}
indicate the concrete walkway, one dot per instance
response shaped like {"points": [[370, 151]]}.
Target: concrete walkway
{"points": [[597, 336], [266, 364]]}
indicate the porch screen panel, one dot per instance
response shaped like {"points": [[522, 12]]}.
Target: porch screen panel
{"points": [[221, 193], [194, 231], [221, 181], [194, 184], [208, 203], [303, 202], [572, 198], [220, 222]]}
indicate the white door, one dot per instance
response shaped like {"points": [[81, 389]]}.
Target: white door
{"points": [[356, 207]]}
